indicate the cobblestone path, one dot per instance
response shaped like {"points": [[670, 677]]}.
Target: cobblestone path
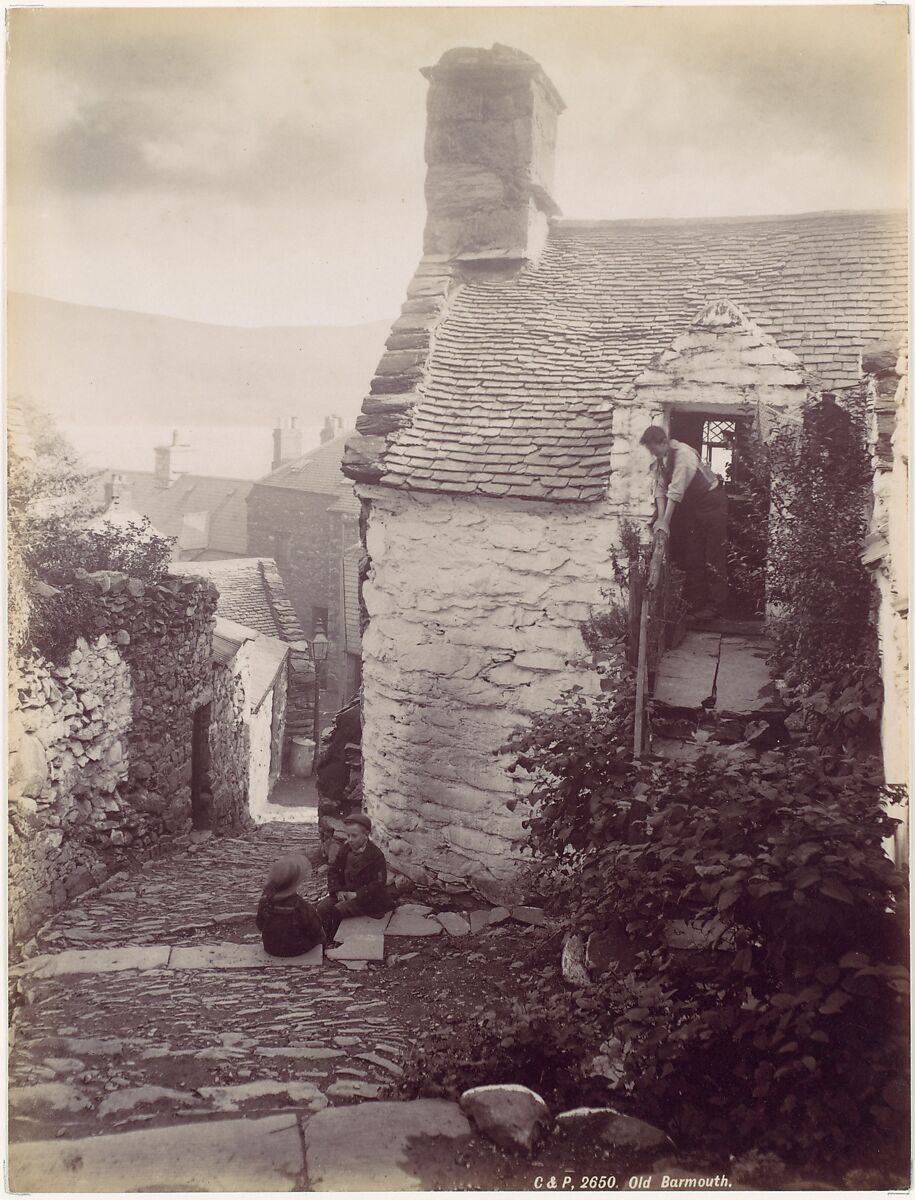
{"points": [[102, 1052]]}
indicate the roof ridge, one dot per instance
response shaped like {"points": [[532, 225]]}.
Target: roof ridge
{"points": [[180, 475], [735, 219], [308, 455]]}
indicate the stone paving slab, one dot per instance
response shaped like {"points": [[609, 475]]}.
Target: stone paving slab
{"points": [[228, 1098], [686, 675], [453, 923], [227, 956], [744, 682], [410, 924], [361, 948], [351, 927], [214, 1156], [93, 962], [366, 1147]]}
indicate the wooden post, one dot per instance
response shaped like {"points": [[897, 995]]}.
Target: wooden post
{"points": [[658, 551]]}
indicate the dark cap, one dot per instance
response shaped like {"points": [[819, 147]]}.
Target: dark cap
{"points": [[358, 819]]}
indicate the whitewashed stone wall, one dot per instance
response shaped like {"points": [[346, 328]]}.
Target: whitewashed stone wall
{"points": [[722, 363], [475, 607], [260, 780], [890, 527]]}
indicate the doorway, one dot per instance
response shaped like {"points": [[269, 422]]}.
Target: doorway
{"points": [[201, 788], [729, 446]]}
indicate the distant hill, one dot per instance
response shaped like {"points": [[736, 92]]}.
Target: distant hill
{"points": [[102, 365]]}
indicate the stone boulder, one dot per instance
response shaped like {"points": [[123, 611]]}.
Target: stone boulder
{"points": [[510, 1115], [574, 969], [633, 1140]]}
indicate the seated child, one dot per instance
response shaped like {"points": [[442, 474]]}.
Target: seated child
{"points": [[356, 879], [289, 925]]}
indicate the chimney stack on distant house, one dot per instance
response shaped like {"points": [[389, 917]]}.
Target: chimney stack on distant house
{"points": [[287, 442], [332, 426], [113, 490], [167, 461], [490, 142]]}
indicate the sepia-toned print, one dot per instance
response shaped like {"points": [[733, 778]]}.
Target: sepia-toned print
{"points": [[458, 599]]}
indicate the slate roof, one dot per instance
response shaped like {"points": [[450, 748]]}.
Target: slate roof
{"points": [[517, 394], [251, 592], [204, 512], [266, 656], [319, 472]]}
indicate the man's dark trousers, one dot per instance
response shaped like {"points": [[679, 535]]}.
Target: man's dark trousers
{"points": [[706, 526], [333, 911]]}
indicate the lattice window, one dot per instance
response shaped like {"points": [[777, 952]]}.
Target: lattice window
{"points": [[718, 443]]}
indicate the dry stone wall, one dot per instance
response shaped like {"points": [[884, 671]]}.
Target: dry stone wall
{"points": [[68, 728], [101, 743], [229, 750], [475, 610]]}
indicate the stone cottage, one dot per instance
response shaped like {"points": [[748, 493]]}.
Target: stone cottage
{"points": [[497, 452], [253, 599], [305, 517]]}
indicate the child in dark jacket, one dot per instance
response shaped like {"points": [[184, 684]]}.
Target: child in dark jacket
{"points": [[289, 925], [357, 878]]}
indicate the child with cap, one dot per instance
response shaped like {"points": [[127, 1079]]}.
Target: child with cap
{"points": [[289, 925], [356, 879]]}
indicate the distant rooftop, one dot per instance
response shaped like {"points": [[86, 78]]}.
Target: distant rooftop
{"points": [[318, 472], [206, 513], [251, 592]]}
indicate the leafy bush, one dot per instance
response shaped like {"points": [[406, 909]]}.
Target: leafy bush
{"points": [[781, 1024], [55, 532], [785, 1028]]}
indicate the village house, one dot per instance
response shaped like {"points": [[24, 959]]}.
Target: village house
{"points": [[305, 517], [205, 514], [497, 453], [257, 618]]}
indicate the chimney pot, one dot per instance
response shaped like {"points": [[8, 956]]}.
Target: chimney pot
{"points": [[287, 442]]}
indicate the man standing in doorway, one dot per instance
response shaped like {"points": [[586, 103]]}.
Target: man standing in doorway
{"points": [[682, 479]]}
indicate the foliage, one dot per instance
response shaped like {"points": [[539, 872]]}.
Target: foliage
{"points": [[818, 477], [748, 523], [786, 1029], [56, 531], [781, 1025]]}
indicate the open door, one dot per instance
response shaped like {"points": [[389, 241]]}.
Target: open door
{"points": [[726, 444], [201, 793]]}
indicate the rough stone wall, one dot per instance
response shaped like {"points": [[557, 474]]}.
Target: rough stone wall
{"points": [[68, 729], [229, 749], [475, 608], [113, 726], [312, 568]]}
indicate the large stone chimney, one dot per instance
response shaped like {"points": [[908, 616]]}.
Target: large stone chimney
{"points": [[490, 140], [287, 442]]}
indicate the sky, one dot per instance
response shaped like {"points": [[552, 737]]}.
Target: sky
{"points": [[265, 166]]}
